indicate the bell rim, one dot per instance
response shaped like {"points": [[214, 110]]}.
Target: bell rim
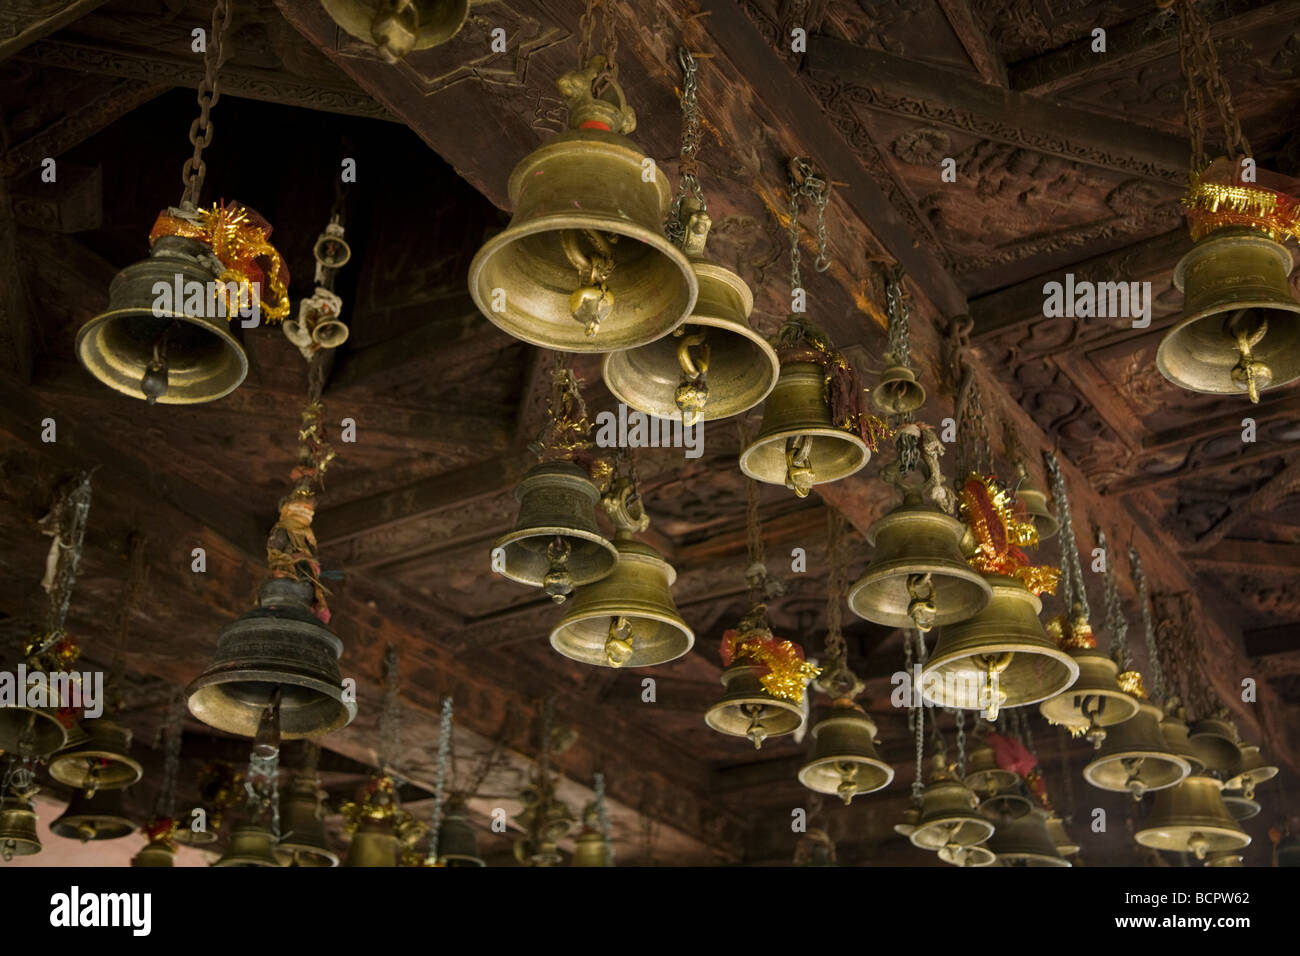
{"points": [[821, 431], [715, 716], [290, 849], [1010, 777], [53, 725], [1070, 717], [1234, 838], [439, 37], [1231, 800], [65, 827], [889, 570], [1009, 805], [1052, 653], [988, 855], [195, 838], [569, 650], [57, 769], [1093, 771], [201, 697], [167, 398], [1039, 859], [808, 772], [945, 820], [593, 537]]}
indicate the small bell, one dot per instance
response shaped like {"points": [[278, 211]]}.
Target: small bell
{"points": [[302, 825], [250, 845], [1035, 502], [102, 763], [584, 265], [1224, 858], [746, 709], [977, 855], [163, 355], [843, 759], [1094, 701], [948, 817], [1008, 803], [1060, 839], [1240, 806], [985, 777], [1025, 841], [1191, 818], [100, 817], [31, 731], [457, 840], [555, 544], [1240, 330], [1215, 740], [373, 844], [591, 848], [917, 576], [1174, 730], [398, 28], [18, 835], [280, 647], [1135, 757], [898, 391], [999, 657], [799, 445], [1253, 771], [155, 853]]}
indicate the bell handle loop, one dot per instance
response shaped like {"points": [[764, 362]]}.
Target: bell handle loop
{"points": [[799, 475], [694, 367]]}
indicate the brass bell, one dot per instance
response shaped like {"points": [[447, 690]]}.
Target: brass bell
{"points": [[1240, 330], [329, 333], [1008, 803], [1094, 701], [977, 855], [164, 355], [1253, 771], [627, 619], [584, 265], [1174, 729], [250, 845], [373, 844], [898, 391], [1240, 806], [1035, 502], [1000, 657], [1215, 739], [302, 825], [101, 763], [31, 731], [746, 709], [714, 366], [799, 444], [279, 645], [917, 576], [843, 759], [948, 817], [1135, 757], [555, 544], [397, 28], [985, 777], [100, 817], [18, 835], [1060, 839], [1191, 818], [457, 841], [1025, 841], [155, 853], [1224, 858], [591, 849]]}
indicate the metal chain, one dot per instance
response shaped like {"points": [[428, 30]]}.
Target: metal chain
{"points": [[900, 353], [1072, 587], [959, 717], [688, 183], [173, 731], [1115, 621], [836, 649], [440, 778], [586, 42], [390, 716], [1154, 670], [756, 571], [805, 183], [917, 660], [130, 593], [214, 55], [1199, 62], [67, 519], [602, 818], [974, 451]]}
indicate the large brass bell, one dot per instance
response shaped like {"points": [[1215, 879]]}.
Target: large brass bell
{"points": [[164, 355], [101, 763], [1215, 739], [397, 27], [1135, 757], [250, 845], [799, 445], [1253, 771], [1060, 839], [584, 265], [1191, 818], [555, 544], [31, 731], [1240, 330], [917, 576], [1094, 701], [1025, 841], [746, 709], [457, 841], [302, 825], [898, 391], [279, 646], [100, 817], [948, 818], [18, 836], [714, 366], [843, 759], [627, 619], [999, 657]]}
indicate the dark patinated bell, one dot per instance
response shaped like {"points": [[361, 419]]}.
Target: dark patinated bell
{"points": [[898, 391], [18, 836], [250, 845], [302, 825], [280, 645], [399, 27], [102, 762], [1190, 817], [156, 349], [748, 710], [1025, 841], [457, 841], [100, 817], [31, 731]]}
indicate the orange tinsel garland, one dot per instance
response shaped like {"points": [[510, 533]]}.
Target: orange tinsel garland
{"points": [[787, 671], [1000, 533]]}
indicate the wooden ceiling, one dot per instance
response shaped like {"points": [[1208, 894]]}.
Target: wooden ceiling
{"points": [[1067, 161]]}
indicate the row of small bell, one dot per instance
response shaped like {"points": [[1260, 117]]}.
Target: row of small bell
{"points": [[1136, 757], [102, 762], [397, 29], [1240, 328], [281, 647], [843, 760], [18, 836], [1191, 817], [99, 817]]}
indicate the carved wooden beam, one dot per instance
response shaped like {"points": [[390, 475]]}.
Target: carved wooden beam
{"points": [[1278, 487], [975, 39], [1249, 557], [23, 22], [17, 353]]}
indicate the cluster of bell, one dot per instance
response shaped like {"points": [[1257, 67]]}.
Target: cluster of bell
{"points": [[398, 28], [947, 822], [843, 760], [584, 265], [1094, 700], [98, 817], [302, 825], [101, 762], [278, 648], [165, 355], [714, 365], [1240, 329]]}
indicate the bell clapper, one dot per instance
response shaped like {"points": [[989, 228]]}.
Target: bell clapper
{"points": [[922, 610], [1199, 845], [1249, 373], [267, 742], [799, 476], [756, 731], [992, 697], [693, 392], [618, 646], [92, 778], [1096, 733], [592, 302], [848, 787], [558, 583], [154, 382], [1135, 784]]}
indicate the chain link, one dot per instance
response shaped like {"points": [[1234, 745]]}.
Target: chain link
{"points": [[440, 778], [67, 525], [1154, 670], [959, 718], [836, 670], [806, 184], [687, 167], [1116, 624], [900, 353], [214, 55], [974, 451], [602, 817], [915, 654], [586, 42], [390, 716], [1205, 80], [1073, 590]]}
